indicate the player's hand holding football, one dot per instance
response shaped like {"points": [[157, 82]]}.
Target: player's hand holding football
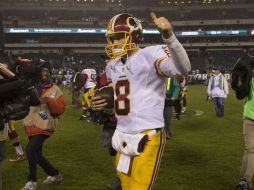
{"points": [[98, 103], [163, 25]]}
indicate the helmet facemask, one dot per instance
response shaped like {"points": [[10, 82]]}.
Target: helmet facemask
{"points": [[115, 50]]}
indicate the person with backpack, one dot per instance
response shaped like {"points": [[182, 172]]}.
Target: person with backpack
{"points": [[172, 100], [218, 90]]}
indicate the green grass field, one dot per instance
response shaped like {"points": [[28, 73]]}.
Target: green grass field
{"points": [[204, 152]]}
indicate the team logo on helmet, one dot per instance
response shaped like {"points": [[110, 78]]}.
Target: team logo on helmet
{"points": [[123, 26]]}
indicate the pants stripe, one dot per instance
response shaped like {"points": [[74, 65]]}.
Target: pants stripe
{"points": [[158, 159]]}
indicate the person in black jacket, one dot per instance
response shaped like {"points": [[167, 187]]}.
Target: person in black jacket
{"points": [[76, 93]]}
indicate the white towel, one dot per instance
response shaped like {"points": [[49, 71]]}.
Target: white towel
{"points": [[131, 142], [124, 163], [126, 143]]}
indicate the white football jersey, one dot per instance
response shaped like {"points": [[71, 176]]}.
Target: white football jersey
{"points": [[91, 78], [140, 88]]}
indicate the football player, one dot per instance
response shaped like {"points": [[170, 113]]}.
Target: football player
{"points": [[14, 137], [139, 78], [88, 82]]}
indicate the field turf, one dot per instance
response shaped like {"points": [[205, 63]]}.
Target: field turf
{"points": [[204, 152]]}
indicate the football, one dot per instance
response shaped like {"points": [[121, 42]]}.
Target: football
{"points": [[107, 93]]}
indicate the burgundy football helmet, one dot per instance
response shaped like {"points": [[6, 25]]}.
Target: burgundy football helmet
{"points": [[123, 26]]}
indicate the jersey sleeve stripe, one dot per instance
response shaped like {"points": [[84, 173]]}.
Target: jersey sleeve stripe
{"points": [[157, 66]]}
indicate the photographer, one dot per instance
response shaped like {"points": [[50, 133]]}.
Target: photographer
{"points": [[40, 124], [243, 84], [17, 90]]}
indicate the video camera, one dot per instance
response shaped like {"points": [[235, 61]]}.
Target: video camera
{"points": [[17, 91], [242, 74]]}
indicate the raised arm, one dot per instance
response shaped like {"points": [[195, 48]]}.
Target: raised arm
{"points": [[178, 53]]}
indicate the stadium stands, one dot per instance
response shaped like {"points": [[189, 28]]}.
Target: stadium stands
{"points": [[199, 16]]}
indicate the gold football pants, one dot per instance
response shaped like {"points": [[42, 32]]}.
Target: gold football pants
{"points": [[144, 167], [86, 98]]}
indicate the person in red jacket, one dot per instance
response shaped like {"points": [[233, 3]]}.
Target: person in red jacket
{"points": [[39, 125]]}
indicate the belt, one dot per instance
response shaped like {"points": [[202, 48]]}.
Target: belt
{"points": [[158, 129], [153, 131]]}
